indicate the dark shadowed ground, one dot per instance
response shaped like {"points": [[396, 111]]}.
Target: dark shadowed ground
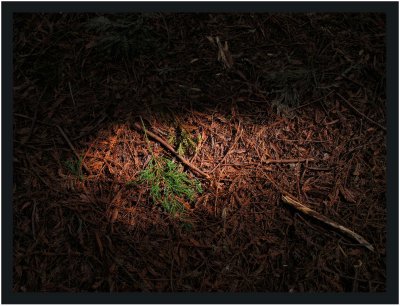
{"points": [[264, 104]]}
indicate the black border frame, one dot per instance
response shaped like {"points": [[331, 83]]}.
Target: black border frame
{"points": [[391, 296]]}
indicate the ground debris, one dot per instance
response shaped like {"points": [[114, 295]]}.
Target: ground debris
{"points": [[289, 100]]}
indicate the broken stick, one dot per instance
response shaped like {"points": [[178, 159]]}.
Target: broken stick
{"points": [[312, 213], [140, 128]]}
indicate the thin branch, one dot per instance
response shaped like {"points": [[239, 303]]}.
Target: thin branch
{"points": [[316, 215], [138, 127], [290, 200]]}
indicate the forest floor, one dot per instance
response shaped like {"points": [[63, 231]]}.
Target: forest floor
{"points": [[262, 105]]}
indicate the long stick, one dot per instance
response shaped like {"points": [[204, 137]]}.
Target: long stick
{"points": [[312, 213], [171, 149]]}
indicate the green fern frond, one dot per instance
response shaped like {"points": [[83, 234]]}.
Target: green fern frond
{"points": [[168, 183]]}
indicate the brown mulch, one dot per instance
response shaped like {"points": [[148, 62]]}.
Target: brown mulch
{"points": [[283, 102]]}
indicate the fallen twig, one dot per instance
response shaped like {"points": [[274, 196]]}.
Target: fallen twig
{"points": [[289, 199], [138, 127], [360, 113], [312, 213]]}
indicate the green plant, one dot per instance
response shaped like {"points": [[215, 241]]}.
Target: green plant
{"points": [[74, 166], [198, 140], [184, 142], [169, 185], [171, 139]]}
